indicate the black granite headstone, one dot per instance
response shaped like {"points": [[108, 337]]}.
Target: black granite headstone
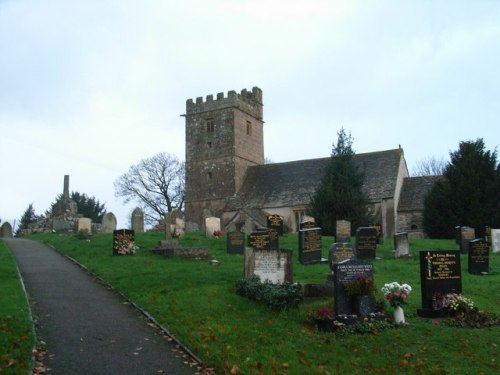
{"points": [[479, 257], [339, 252], [310, 245], [122, 238], [440, 274], [235, 242], [275, 222], [366, 242], [344, 272], [259, 240]]}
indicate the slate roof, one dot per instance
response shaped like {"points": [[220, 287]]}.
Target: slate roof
{"points": [[292, 184], [414, 191]]}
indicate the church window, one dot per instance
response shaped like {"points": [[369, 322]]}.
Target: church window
{"points": [[249, 128], [210, 125], [209, 175], [209, 144]]}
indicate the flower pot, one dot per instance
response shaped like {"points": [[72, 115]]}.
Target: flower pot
{"points": [[399, 315]]}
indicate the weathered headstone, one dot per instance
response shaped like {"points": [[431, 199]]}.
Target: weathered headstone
{"points": [[310, 245], [6, 230], [260, 240], [440, 274], [123, 242], [235, 242], [366, 242], [272, 265], [212, 225], [84, 224], [343, 231], [62, 225], [137, 220], [495, 240], [467, 234], [308, 224], [275, 222], [401, 245], [108, 223], [479, 257], [340, 252], [344, 272]]}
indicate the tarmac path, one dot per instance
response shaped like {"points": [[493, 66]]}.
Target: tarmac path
{"points": [[87, 328]]}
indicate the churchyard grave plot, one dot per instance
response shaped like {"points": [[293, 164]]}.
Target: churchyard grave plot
{"points": [[274, 265], [124, 242], [440, 274], [275, 222], [479, 257], [366, 242], [310, 246]]}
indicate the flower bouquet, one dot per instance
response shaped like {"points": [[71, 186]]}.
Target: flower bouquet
{"points": [[396, 293], [124, 244]]}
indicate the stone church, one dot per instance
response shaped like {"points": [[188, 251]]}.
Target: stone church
{"points": [[226, 175]]}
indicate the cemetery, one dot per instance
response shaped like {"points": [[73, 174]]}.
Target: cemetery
{"points": [[256, 299]]}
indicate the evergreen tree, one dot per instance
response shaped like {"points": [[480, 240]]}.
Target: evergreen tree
{"points": [[468, 195], [339, 195], [27, 218], [87, 206]]}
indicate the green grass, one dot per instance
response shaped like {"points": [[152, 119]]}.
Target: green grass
{"points": [[16, 330], [197, 302]]}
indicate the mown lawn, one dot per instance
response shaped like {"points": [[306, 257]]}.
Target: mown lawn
{"points": [[16, 331], [197, 302]]}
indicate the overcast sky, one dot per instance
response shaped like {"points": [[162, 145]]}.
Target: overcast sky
{"points": [[89, 88]]}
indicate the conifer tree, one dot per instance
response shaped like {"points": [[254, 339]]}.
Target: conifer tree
{"points": [[27, 218]]}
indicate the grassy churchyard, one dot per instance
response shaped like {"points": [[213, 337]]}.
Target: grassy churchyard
{"points": [[197, 302]]}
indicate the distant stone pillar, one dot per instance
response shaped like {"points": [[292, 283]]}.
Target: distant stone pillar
{"points": [[66, 188]]}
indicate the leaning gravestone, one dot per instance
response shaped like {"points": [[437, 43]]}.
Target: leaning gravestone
{"points": [[235, 242], [137, 220], [495, 240], [123, 242], [342, 231], [108, 223], [479, 257], [275, 222], [401, 245], [344, 272], [467, 234], [84, 224], [440, 274], [212, 224], [340, 252], [273, 265], [6, 230], [366, 242], [260, 240], [310, 246]]}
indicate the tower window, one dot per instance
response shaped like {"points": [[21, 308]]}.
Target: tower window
{"points": [[210, 125], [249, 128], [209, 144]]}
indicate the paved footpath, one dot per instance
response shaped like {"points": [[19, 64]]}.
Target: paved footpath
{"points": [[87, 328]]}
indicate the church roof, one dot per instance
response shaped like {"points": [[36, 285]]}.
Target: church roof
{"points": [[293, 183], [414, 191]]}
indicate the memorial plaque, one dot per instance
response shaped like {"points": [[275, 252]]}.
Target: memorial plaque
{"points": [[260, 240], [342, 231], [339, 252], [310, 245], [275, 222], [366, 242], [272, 265], [235, 242], [344, 272], [123, 242], [479, 257], [495, 240], [440, 274], [467, 234]]}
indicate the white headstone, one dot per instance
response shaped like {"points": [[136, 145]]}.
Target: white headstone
{"points": [[401, 245], [212, 224], [495, 240]]}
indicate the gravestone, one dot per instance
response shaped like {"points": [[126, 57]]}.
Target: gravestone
{"points": [[235, 242], [123, 241], [308, 224], [272, 265], [62, 225], [310, 246], [109, 222], [340, 252], [495, 240], [342, 231], [479, 257], [260, 240], [487, 235], [275, 222], [344, 272], [84, 224], [458, 230], [212, 224], [274, 239], [137, 220], [467, 234], [401, 245], [6, 230], [366, 242], [440, 274]]}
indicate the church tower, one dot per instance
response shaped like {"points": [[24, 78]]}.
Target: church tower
{"points": [[223, 138]]}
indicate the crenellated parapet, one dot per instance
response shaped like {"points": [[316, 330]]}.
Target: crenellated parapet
{"points": [[247, 101]]}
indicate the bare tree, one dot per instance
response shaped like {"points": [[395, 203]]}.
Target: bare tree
{"points": [[431, 166], [156, 183]]}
